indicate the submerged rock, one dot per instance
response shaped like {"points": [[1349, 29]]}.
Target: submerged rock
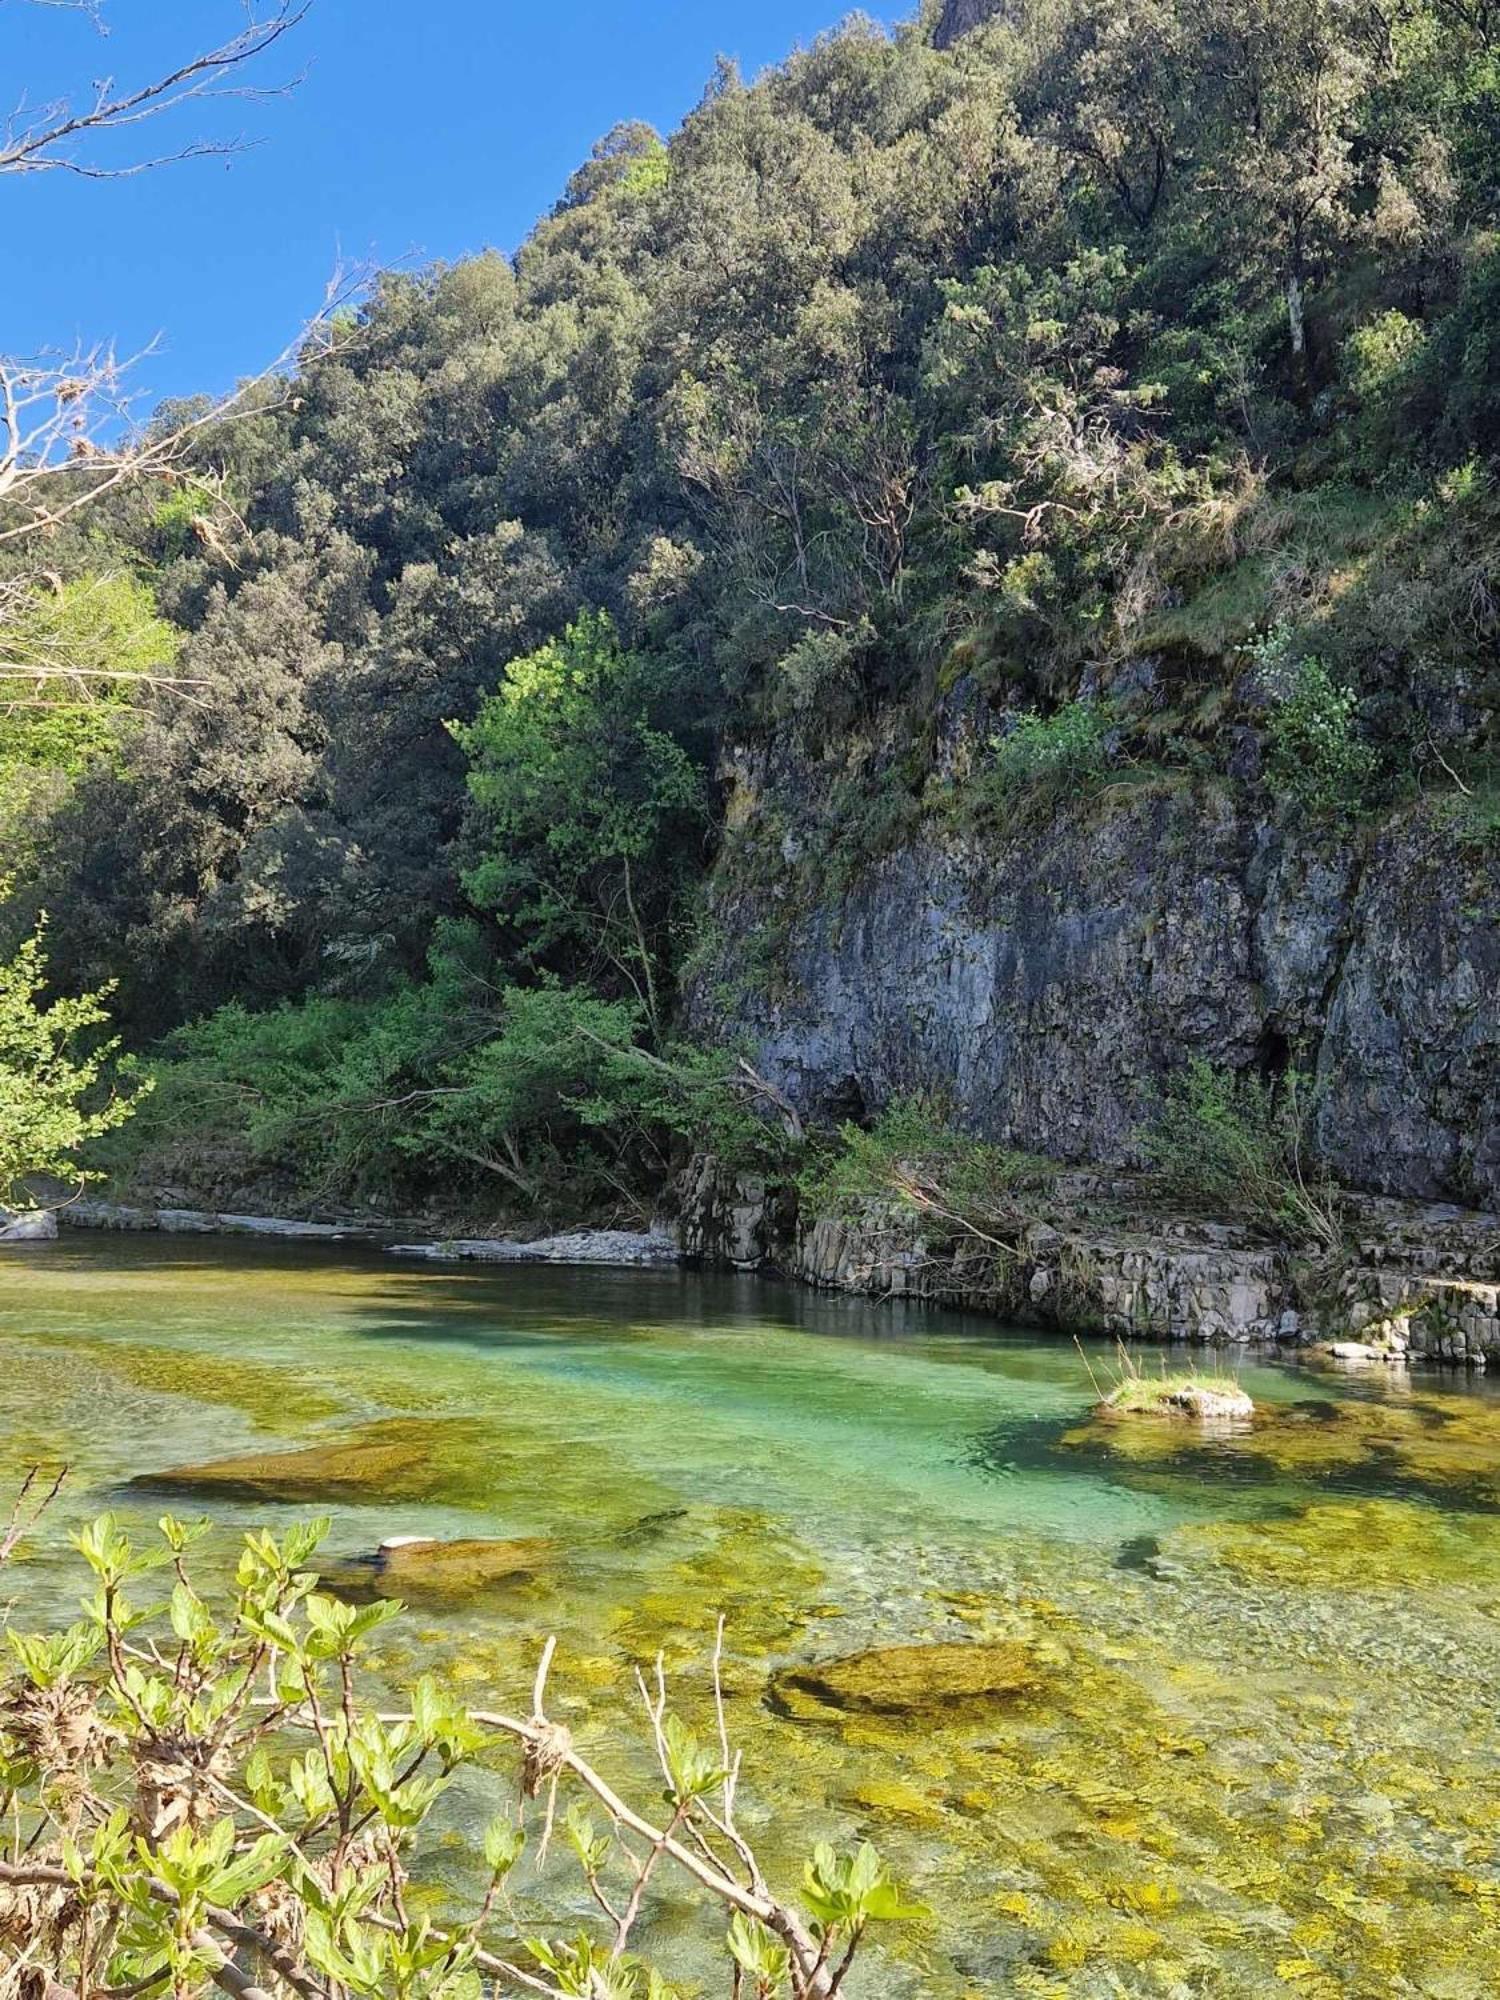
{"points": [[422, 1566], [915, 1680], [393, 1460], [1370, 1544], [34, 1225], [1442, 1447]]}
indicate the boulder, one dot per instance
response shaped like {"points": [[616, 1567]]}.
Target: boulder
{"points": [[422, 1566], [33, 1225], [393, 1460], [1208, 1402], [916, 1680], [1362, 1353]]}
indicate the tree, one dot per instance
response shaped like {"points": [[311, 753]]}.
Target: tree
{"points": [[64, 137], [50, 1079], [1293, 79], [587, 806]]}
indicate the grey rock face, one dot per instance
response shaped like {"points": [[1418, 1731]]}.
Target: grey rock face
{"points": [[1422, 1281], [724, 1217], [1047, 982], [959, 16], [1410, 1055]]}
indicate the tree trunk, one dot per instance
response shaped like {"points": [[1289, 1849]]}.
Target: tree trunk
{"points": [[1295, 314]]}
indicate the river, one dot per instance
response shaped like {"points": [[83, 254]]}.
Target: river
{"points": [[1260, 1756]]}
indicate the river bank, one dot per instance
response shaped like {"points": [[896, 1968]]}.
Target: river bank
{"points": [[1410, 1279]]}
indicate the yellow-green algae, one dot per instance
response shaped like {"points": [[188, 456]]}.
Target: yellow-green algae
{"points": [[1351, 1545], [1387, 1428], [256, 1391], [1261, 1757]]}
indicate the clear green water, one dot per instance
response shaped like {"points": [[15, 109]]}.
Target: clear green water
{"points": [[1264, 1759]]}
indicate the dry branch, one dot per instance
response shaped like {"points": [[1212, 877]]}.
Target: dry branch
{"points": [[54, 137]]}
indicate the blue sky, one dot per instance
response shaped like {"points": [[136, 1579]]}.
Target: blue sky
{"points": [[419, 131]]}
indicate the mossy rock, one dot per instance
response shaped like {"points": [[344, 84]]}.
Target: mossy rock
{"points": [[402, 1459], [916, 1680], [422, 1568]]}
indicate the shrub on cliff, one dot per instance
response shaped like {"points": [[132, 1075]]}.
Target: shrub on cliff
{"points": [[1236, 1147], [914, 1158], [1053, 749], [1315, 756]]}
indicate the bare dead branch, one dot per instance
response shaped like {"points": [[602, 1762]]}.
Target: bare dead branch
{"points": [[22, 1520], [68, 441], [52, 137]]}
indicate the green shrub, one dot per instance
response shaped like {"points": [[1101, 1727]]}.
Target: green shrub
{"points": [[205, 1792], [54, 1097], [913, 1156], [1236, 1147], [1315, 757], [547, 1093], [1055, 749], [1380, 353]]}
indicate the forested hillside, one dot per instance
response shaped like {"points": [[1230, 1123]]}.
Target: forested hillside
{"points": [[1061, 457]]}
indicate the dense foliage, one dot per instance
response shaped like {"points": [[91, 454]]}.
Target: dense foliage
{"points": [[1163, 328]]}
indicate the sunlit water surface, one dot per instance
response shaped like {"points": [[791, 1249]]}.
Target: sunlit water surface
{"points": [[1263, 1756]]}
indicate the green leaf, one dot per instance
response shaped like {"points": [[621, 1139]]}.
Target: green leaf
{"points": [[503, 1845]]}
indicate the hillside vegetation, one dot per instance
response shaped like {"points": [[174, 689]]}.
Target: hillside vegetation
{"points": [[1147, 327]]}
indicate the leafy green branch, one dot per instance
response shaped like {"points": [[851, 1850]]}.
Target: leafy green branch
{"points": [[201, 1796]]}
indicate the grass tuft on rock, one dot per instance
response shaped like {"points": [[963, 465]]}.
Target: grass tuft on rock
{"points": [[1210, 1396], [1204, 1396]]}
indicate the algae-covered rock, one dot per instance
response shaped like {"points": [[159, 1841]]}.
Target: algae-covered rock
{"points": [[418, 1567], [915, 1680], [1445, 1447], [399, 1459]]}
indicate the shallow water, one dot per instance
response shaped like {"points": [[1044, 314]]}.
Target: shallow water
{"points": [[1262, 1757]]}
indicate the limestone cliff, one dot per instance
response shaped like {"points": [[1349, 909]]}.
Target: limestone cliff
{"points": [[1048, 977]]}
